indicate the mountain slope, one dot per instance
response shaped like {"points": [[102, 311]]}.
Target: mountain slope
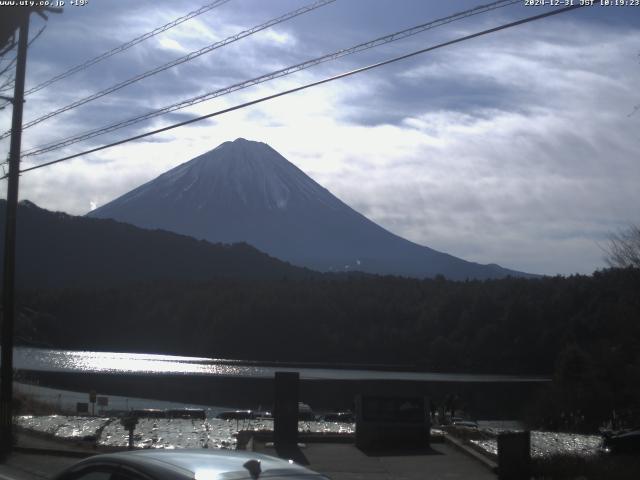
{"points": [[59, 250], [246, 191]]}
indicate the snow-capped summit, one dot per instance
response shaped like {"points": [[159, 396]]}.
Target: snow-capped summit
{"points": [[251, 174], [246, 191]]}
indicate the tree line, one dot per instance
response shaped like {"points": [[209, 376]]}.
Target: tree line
{"points": [[582, 330]]}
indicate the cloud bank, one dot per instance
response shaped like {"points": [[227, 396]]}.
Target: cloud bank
{"points": [[517, 148]]}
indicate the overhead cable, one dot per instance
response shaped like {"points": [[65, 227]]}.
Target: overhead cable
{"points": [[127, 45], [267, 77], [123, 47], [8, 83], [304, 87], [178, 61]]}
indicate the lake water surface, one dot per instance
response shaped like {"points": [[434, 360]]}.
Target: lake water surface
{"points": [[142, 363]]}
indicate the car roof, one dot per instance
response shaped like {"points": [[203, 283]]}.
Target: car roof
{"points": [[203, 464]]}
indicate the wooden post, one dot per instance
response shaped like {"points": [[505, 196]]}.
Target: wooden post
{"points": [[285, 411], [8, 286]]}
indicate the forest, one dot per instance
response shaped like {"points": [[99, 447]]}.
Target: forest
{"points": [[584, 331]]}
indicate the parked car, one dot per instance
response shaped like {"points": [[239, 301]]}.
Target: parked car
{"points": [[236, 415], [347, 417], [627, 442], [465, 424], [186, 413], [305, 413], [199, 464]]}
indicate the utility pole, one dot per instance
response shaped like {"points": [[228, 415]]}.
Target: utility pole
{"points": [[8, 286]]}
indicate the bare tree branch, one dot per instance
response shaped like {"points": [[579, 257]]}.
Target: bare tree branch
{"points": [[623, 249]]}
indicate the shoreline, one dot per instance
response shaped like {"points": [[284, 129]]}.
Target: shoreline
{"points": [[499, 400], [64, 401]]}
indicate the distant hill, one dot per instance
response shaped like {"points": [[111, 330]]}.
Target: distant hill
{"points": [[246, 191], [59, 250]]}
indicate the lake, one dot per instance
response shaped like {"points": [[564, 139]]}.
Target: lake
{"points": [[48, 360]]}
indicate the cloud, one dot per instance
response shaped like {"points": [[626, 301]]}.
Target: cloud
{"points": [[515, 149], [171, 44]]}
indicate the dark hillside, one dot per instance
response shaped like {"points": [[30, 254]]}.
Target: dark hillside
{"points": [[58, 250]]}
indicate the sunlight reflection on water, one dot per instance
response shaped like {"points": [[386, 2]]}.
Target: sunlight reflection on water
{"points": [[113, 362], [144, 363]]}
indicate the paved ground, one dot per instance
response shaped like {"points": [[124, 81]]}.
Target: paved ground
{"points": [[343, 461], [22, 465]]}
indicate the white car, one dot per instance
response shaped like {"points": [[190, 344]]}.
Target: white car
{"points": [[199, 464]]}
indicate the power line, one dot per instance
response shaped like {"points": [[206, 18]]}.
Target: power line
{"points": [[178, 61], [127, 45], [124, 46], [269, 76], [7, 60], [308, 85], [9, 46], [7, 84], [8, 66]]}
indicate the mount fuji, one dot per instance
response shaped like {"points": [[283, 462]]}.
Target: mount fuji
{"points": [[245, 191]]}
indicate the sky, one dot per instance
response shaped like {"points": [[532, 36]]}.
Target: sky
{"points": [[519, 148]]}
